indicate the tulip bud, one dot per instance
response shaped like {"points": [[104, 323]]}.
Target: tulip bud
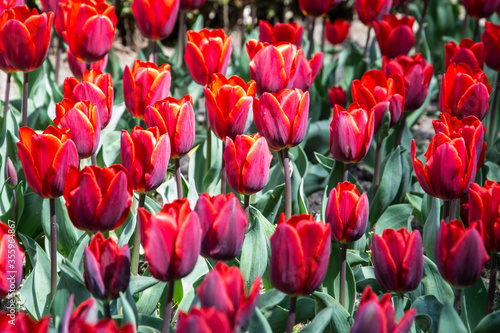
{"points": [[300, 248], [347, 213], [47, 5], [484, 203], [78, 67], [224, 289], [337, 96], [395, 35], [11, 270], [155, 19], [98, 199], [337, 32], [23, 320], [480, 8], [280, 32], [316, 8], [460, 253], [468, 52], [369, 10], [282, 118], [11, 173], [491, 41], [171, 240], [206, 320]]}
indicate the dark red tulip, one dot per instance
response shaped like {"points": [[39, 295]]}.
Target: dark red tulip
{"points": [[337, 32], [480, 8], [228, 104], [207, 52], [417, 76], [347, 213], [464, 92], [4, 64], [282, 118], [378, 316], [11, 260], [47, 5], [25, 37], [206, 320], [473, 54], [145, 85], [171, 240], [175, 118], [280, 32], [484, 204], [223, 222], [372, 10], [377, 92], [247, 161], [106, 268], [491, 41], [300, 248], [46, 159], [190, 5], [11, 173], [460, 253], [145, 155], [23, 323], [155, 18], [78, 67], [316, 8], [337, 96], [98, 199], [395, 35], [224, 289], [8, 4]]}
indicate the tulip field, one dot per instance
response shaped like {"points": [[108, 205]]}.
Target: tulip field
{"points": [[255, 166]]}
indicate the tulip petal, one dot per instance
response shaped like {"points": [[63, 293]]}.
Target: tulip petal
{"points": [[384, 265], [196, 64], [114, 205], [92, 274], [274, 124], [17, 45], [187, 245]]}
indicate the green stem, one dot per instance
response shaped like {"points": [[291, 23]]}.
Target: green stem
{"points": [[7, 96], [88, 66], [343, 266], [458, 300], [154, 52], [476, 31], [288, 184], [365, 52], [493, 111], [345, 173], [25, 98], [93, 159], [290, 322], [223, 176], [107, 309], [208, 143], [53, 248], [421, 26], [400, 307], [137, 239], [493, 282], [376, 171], [14, 206], [178, 178], [453, 209], [181, 37], [310, 26], [168, 306], [464, 27], [446, 210], [402, 123], [323, 36]]}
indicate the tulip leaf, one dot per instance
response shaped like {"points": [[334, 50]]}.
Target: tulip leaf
{"points": [[277, 317], [416, 202], [269, 203], [258, 323], [110, 148], [430, 306], [340, 320], [270, 298], [76, 254], [128, 231], [489, 324], [431, 228], [29, 223], [148, 301], [129, 314], [302, 202], [320, 321], [423, 322], [140, 283], [254, 255], [433, 284], [152, 205], [394, 217], [474, 304], [450, 321], [493, 171], [365, 276]]}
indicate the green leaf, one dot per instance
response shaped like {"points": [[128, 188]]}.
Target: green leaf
{"points": [[493, 171], [141, 283], [430, 306], [29, 222], [474, 304], [148, 301], [302, 202], [304, 311], [258, 323], [152, 205], [365, 276], [489, 324], [394, 217], [269, 203], [326, 162], [331, 284], [129, 315], [128, 231], [450, 322], [434, 284], [340, 320], [431, 228], [76, 254], [320, 321]]}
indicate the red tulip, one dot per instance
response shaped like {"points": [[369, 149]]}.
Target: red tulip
{"points": [[84, 122], [300, 248], [464, 92], [171, 240], [8, 4], [395, 35], [23, 323], [11, 260], [190, 5], [484, 204], [480, 8], [223, 222], [247, 161], [337, 32], [283, 66], [228, 104], [460, 252], [282, 118], [347, 213], [491, 41], [25, 37], [337, 96], [78, 67], [224, 289], [207, 52], [46, 158], [145, 155], [206, 320], [372, 10], [473, 54], [280, 32], [4, 64], [155, 18], [98, 199], [145, 85], [11, 173], [47, 5], [175, 118], [316, 8], [377, 92], [378, 316]]}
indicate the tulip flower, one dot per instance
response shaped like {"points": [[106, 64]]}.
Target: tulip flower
{"points": [[78, 67], [282, 118], [171, 240], [484, 203], [372, 10], [398, 259], [377, 92], [4, 64], [283, 66], [395, 35], [84, 122], [464, 92], [145, 85], [347, 213], [300, 248], [11, 174], [23, 323], [8, 4], [46, 159], [190, 5], [228, 104], [223, 222], [480, 8], [491, 41], [145, 155], [224, 289], [207, 52], [25, 37], [12, 257], [468, 52], [207, 320], [155, 18], [106, 268], [175, 118], [47, 5], [337, 96], [378, 316], [280, 32], [460, 252], [98, 199], [417, 75], [316, 8], [337, 32], [247, 162]]}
